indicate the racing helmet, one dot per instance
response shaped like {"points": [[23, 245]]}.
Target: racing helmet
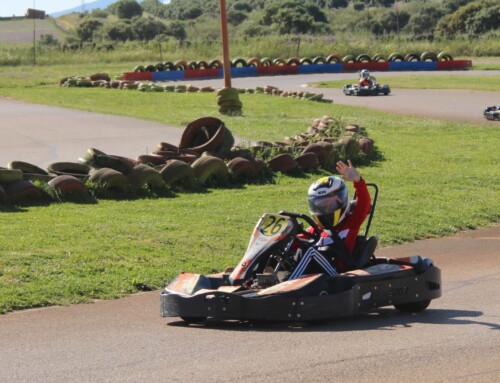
{"points": [[328, 201], [364, 73]]}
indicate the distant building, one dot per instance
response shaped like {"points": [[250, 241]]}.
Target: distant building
{"points": [[35, 14]]}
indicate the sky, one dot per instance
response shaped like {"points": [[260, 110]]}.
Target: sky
{"points": [[19, 7]]}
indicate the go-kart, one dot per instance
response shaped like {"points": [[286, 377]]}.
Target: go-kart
{"points": [[492, 113], [374, 90], [259, 288]]}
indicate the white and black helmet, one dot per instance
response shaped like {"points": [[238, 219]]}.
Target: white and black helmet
{"points": [[328, 201], [365, 73]]}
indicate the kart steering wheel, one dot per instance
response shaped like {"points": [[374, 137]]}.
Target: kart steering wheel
{"points": [[316, 235]]}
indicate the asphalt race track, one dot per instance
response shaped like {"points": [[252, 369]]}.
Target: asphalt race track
{"points": [[455, 340]]}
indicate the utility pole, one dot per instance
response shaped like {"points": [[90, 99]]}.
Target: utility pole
{"points": [[34, 33]]}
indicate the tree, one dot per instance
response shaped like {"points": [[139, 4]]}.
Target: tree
{"points": [[147, 28], [127, 9], [119, 30], [458, 22], [86, 29], [423, 22], [176, 30], [293, 16], [235, 17]]}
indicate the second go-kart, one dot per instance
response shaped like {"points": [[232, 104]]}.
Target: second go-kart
{"points": [[374, 90], [259, 288], [492, 113]]}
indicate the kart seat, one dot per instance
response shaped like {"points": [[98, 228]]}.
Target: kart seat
{"points": [[364, 250]]}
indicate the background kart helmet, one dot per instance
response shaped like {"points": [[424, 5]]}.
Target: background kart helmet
{"points": [[364, 73], [328, 201]]}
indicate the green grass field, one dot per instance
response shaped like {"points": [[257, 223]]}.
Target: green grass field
{"points": [[435, 178]]}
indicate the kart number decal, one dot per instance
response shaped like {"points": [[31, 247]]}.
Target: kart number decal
{"points": [[273, 225]]}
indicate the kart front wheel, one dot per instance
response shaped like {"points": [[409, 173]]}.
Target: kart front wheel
{"points": [[189, 320], [413, 307]]}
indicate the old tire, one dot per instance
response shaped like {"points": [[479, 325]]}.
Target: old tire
{"points": [[179, 173], [307, 161], [143, 175], [10, 175], [242, 168], [203, 134], [22, 191], [110, 180], [208, 169], [284, 163], [26, 167]]}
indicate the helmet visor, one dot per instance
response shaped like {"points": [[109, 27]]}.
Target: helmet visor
{"points": [[327, 204]]}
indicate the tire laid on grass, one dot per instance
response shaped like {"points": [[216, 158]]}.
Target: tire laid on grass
{"points": [[242, 168], [144, 175], [178, 173], [319, 151], [365, 145], [91, 155], [10, 175], [113, 162], [363, 58], [69, 187], [203, 134], [307, 161], [351, 147], [153, 159], [282, 163], [22, 191], [208, 169], [75, 169], [26, 167], [110, 180]]}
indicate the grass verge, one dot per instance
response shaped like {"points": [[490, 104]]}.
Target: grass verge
{"points": [[436, 178]]}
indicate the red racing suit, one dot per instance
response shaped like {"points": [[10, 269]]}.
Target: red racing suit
{"points": [[365, 82], [348, 230]]}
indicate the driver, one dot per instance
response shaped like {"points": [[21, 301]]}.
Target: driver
{"points": [[338, 219], [364, 78]]}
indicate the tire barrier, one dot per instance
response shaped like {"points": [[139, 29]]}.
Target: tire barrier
{"points": [[332, 63], [205, 157]]}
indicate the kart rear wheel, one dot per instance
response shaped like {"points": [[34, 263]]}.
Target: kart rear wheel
{"points": [[194, 319], [413, 307]]}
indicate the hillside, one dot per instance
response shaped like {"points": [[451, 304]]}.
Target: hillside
{"points": [[21, 30]]}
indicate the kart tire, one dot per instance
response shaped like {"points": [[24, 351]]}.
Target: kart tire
{"points": [[70, 168], [319, 151], [69, 188], [284, 163], [363, 58], [177, 172], [26, 167], [209, 168], [413, 307], [194, 320], [144, 175]]}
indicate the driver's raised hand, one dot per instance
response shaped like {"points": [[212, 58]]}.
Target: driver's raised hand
{"points": [[349, 172]]}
